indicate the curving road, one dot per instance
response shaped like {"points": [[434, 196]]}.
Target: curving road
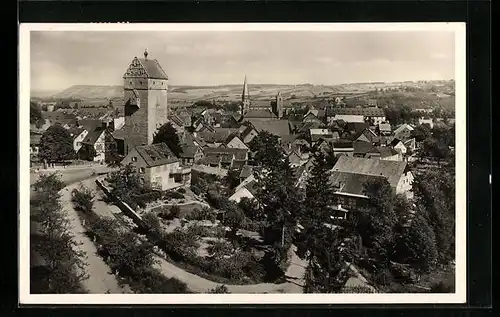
{"points": [[101, 280]]}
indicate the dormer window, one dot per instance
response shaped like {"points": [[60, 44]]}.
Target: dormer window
{"points": [[134, 159], [142, 170]]}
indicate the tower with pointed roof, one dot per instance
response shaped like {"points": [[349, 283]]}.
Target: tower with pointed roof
{"points": [[245, 98], [277, 105], [145, 85]]}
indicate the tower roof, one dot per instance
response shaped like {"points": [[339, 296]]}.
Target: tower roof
{"points": [[245, 94], [145, 67]]}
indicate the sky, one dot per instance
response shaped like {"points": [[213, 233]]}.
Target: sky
{"points": [[60, 59]]}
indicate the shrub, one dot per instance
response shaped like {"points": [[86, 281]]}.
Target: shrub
{"points": [[199, 231], [173, 195], [216, 200], [203, 214], [181, 190], [196, 190], [175, 211], [143, 199], [443, 287], [221, 289], [83, 199]]}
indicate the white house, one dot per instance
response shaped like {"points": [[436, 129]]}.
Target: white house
{"points": [[403, 132], [158, 166], [428, 121], [78, 135], [245, 189]]}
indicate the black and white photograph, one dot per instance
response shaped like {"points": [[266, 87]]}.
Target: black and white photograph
{"points": [[242, 163]]}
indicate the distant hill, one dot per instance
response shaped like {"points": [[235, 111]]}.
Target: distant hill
{"points": [[185, 94], [86, 92]]}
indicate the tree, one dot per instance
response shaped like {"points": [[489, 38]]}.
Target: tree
{"points": [[421, 132], [434, 194], [251, 209], [327, 270], [233, 217], [36, 116], [83, 199], [435, 148], [416, 245], [232, 179], [168, 134], [221, 289], [63, 267], [56, 145], [266, 149], [376, 223]]}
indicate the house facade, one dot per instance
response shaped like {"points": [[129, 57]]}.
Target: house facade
{"points": [[158, 166], [403, 132], [94, 145]]}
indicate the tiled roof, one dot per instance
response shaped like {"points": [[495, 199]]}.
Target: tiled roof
{"points": [[74, 132], [35, 139], [260, 113], [384, 127], [356, 126], [402, 127], [362, 147], [90, 124], [392, 170], [395, 142], [276, 127], [156, 154], [214, 137], [367, 112], [386, 151], [175, 119], [119, 134], [366, 132], [351, 183], [209, 160], [342, 144], [188, 151], [93, 135], [246, 171], [305, 126], [153, 68], [239, 154]]}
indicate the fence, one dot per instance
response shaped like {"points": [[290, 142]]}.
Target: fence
{"points": [[124, 207]]}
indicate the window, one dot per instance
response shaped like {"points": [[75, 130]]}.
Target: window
{"points": [[131, 82], [142, 170], [134, 159], [78, 143], [142, 180]]}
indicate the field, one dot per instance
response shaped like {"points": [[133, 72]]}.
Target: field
{"points": [[412, 92]]}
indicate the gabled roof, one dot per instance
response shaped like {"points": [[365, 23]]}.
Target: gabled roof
{"points": [[260, 113], [356, 126], [246, 171], [362, 147], [75, 132], [391, 170], [366, 132], [90, 124], [402, 127], [276, 127], [395, 142], [239, 154], [175, 119], [119, 134], [384, 127], [153, 68], [93, 135], [367, 112], [386, 151], [351, 183], [156, 154]]}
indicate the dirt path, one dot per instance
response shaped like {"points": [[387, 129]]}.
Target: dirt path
{"points": [[100, 279], [199, 284], [194, 282]]}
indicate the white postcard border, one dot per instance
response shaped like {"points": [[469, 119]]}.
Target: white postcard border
{"points": [[127, 299]]}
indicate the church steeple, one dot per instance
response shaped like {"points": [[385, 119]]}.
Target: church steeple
{"points": [[245, 95], [245, 98], [146, 53]]}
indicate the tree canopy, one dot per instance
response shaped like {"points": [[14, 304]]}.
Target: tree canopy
{"points": [[266, 149], [56, 145], [36, 116], [168, 134]]}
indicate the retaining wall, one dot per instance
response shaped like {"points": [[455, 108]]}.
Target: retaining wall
{"points": [[124, 207]]}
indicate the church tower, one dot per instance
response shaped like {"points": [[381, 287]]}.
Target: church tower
{"points": [[145, 86], [245, 98], [277, 105]]}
